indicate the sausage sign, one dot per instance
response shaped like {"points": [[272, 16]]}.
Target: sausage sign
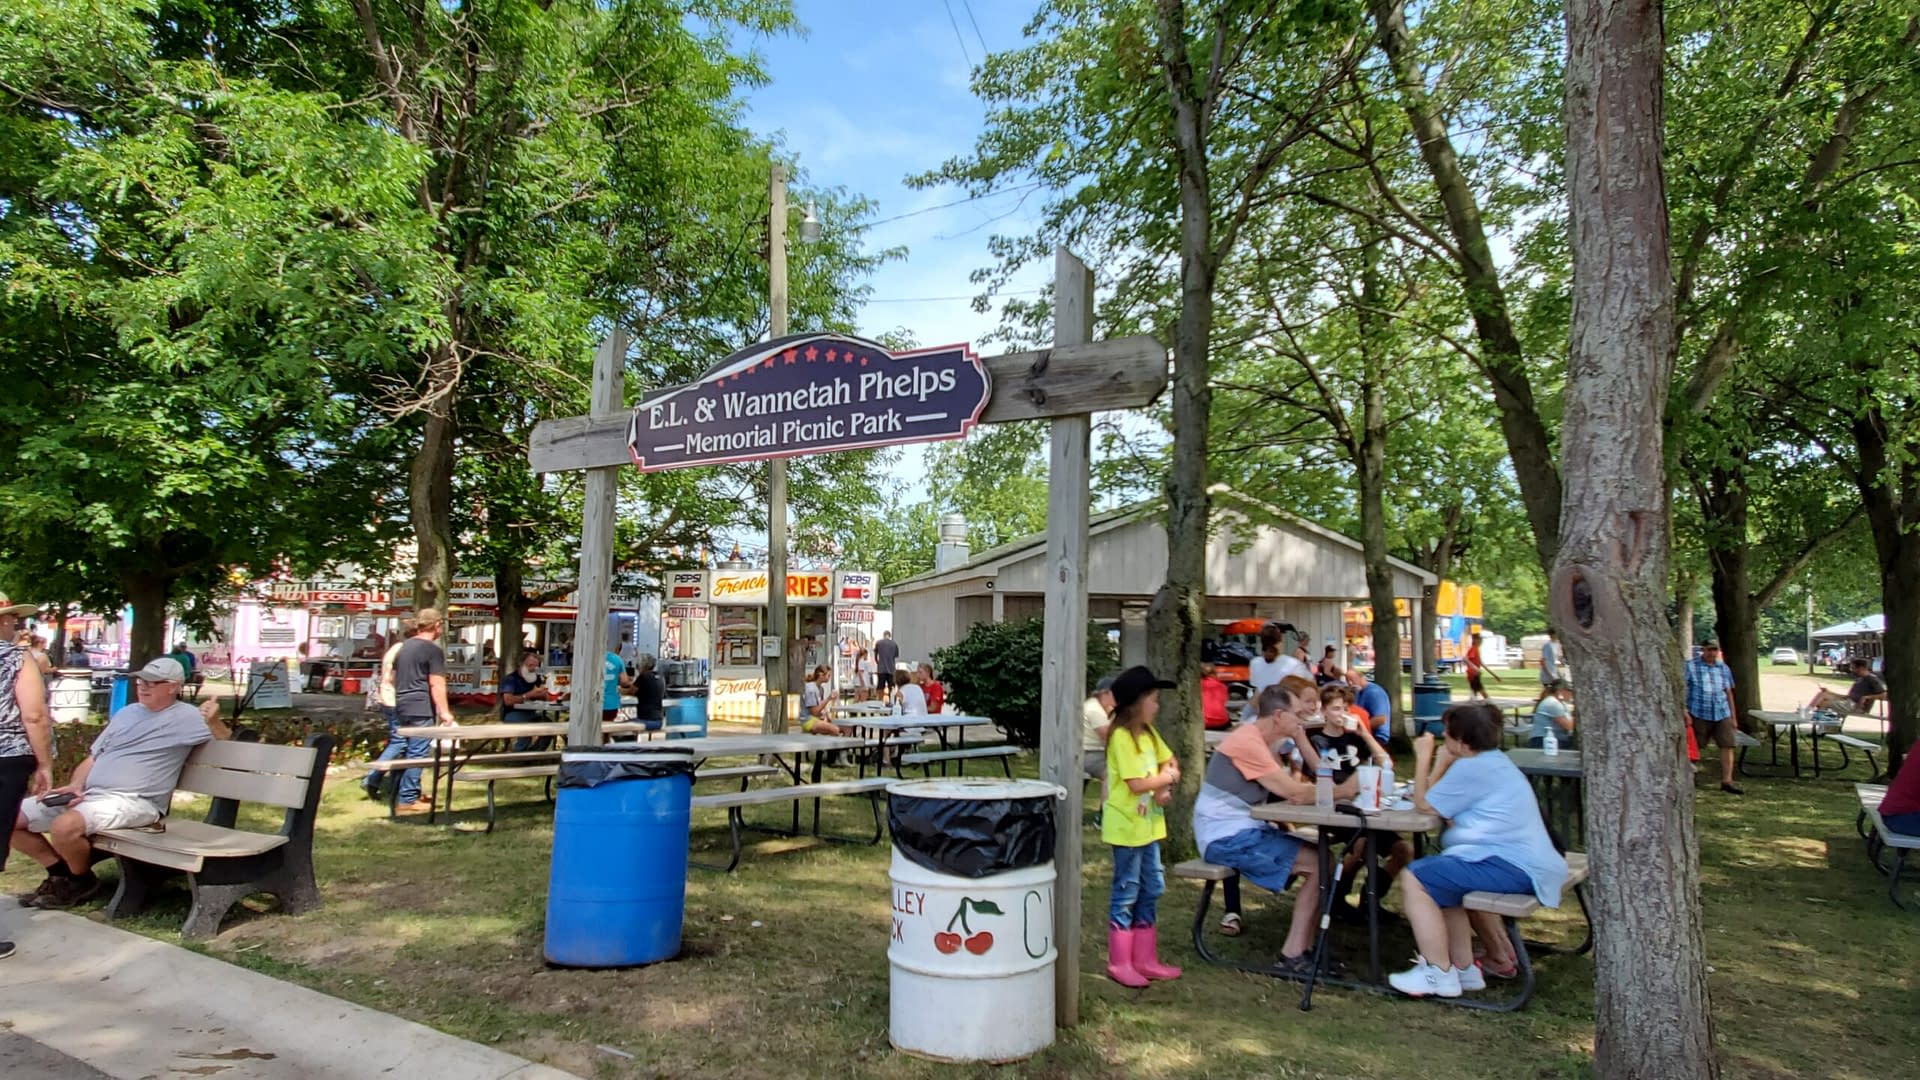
{"points": [[810, 394]]}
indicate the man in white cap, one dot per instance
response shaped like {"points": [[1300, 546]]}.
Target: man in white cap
{"points": [[126, 782], [26, 729]]}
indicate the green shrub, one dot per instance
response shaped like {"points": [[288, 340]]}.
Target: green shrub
{"points": [[995, 672]]}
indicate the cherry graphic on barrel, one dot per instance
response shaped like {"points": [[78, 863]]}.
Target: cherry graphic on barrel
{"points": [[976, 943]]}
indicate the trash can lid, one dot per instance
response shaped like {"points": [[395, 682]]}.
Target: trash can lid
{"points": [[962, 788]]}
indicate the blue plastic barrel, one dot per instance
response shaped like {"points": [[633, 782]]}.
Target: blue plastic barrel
{"points": [[1430, 698], [691, 709], [122, 693], [617, 887]]}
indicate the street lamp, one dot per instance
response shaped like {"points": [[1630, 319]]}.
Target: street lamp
{"points": [[775, 719]]}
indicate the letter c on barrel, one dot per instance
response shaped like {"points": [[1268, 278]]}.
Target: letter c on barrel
{"points": [[1026, 932]]}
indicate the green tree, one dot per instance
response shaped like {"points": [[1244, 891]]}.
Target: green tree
{"points": [[1156, 131]]}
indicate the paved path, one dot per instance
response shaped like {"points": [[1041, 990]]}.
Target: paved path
{"points": [[94, 1001]]}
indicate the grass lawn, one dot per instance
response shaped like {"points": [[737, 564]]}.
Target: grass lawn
{"points": [[785, 972]]}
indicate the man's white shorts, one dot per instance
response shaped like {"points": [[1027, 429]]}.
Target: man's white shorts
{"points": [[102, 810]]}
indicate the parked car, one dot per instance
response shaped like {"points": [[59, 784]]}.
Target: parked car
{"points": [[1785, 655]]}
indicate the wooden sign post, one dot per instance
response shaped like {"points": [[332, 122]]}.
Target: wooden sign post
{"points": [[1066, 384], [606, 395], [1064, 671]]}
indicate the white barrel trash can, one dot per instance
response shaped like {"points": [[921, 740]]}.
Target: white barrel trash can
{"points": [[72, 695], [972, 950]]}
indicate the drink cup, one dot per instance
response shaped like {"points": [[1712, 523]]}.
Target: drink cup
{"points": [[1368, 797]]}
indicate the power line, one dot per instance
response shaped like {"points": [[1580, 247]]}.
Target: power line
{"points": [[935, 299], [949, 205], [955, 23], [968, 5]]}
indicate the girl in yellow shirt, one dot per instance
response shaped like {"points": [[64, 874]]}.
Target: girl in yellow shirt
{"points": [[1141, 772]]}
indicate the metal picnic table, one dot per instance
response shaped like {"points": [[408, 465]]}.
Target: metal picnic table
{"points": [[1558, 780], [450, 739], [1793, 722], [1330, 821]]}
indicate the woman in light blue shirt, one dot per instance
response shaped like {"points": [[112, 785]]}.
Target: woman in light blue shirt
{"points": [[1552, 710], [1494, 842]]}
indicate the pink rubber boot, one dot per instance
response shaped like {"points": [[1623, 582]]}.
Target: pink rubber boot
{"points": [[1120, 958], [1146, 954]]}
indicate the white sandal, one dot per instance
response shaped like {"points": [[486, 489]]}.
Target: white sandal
{"points": [[1230, 924]]}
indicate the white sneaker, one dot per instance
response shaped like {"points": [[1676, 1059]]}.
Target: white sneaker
{"points": [[1424, 980], [1472, 978]]}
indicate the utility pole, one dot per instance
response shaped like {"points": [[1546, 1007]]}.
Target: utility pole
{"points": [[776, 629]]}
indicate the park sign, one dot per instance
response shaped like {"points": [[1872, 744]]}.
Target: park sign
{"points": [[809, 394]]}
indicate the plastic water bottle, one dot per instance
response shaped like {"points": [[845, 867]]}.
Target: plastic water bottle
{"points": [[1550, 743], [1323, 785], [1387, 794], [896, 706]]}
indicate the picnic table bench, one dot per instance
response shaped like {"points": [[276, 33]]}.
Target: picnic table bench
{"points": [[734, 802], [551, 768], [928, 759], [1881, 840], [223, 863]]}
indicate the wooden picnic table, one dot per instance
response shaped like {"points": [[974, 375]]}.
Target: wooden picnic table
{"points": [[1331, 819], [1558, 780]]}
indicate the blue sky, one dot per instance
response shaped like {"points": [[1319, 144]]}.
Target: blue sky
{"points": [[872, 93]]}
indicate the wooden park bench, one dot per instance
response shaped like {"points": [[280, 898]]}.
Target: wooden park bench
{"points": [[1881, 840], [225, 864], [927, 759], [734, 802]]}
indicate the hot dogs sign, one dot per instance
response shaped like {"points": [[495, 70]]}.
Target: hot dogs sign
{"points": [[809, 394]]}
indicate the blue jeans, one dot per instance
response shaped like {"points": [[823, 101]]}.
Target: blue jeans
{"points": [[523, 716], [407, 748], [395, 749], [1137, 885], [1903, 823]]}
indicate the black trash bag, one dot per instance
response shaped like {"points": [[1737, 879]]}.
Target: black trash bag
{"points": [[593, 766], [972, 838]]}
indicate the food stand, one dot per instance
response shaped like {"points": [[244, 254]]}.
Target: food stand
{"points": [[721, 616]]}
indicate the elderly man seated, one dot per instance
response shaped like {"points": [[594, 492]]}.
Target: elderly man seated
{"points": [[126, 782], [1243, 773]]}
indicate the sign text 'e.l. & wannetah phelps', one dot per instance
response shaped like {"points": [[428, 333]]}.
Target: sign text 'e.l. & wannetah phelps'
{"points": [[810, 394]]}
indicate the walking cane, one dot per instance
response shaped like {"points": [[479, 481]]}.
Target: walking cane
{"points": [[1326, 915]]}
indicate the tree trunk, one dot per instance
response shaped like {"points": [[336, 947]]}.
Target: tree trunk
{"points": [[1609, 584], [148, 594], [1733, 609], [430, 503], [1888, 490], [58, 646], [1684, 587], [1504, 363], [1176, 621], [1439, 564], [1373, 482], [509, 588]]}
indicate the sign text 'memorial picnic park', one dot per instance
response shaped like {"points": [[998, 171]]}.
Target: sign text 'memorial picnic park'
{"points": [[810, 394]]}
